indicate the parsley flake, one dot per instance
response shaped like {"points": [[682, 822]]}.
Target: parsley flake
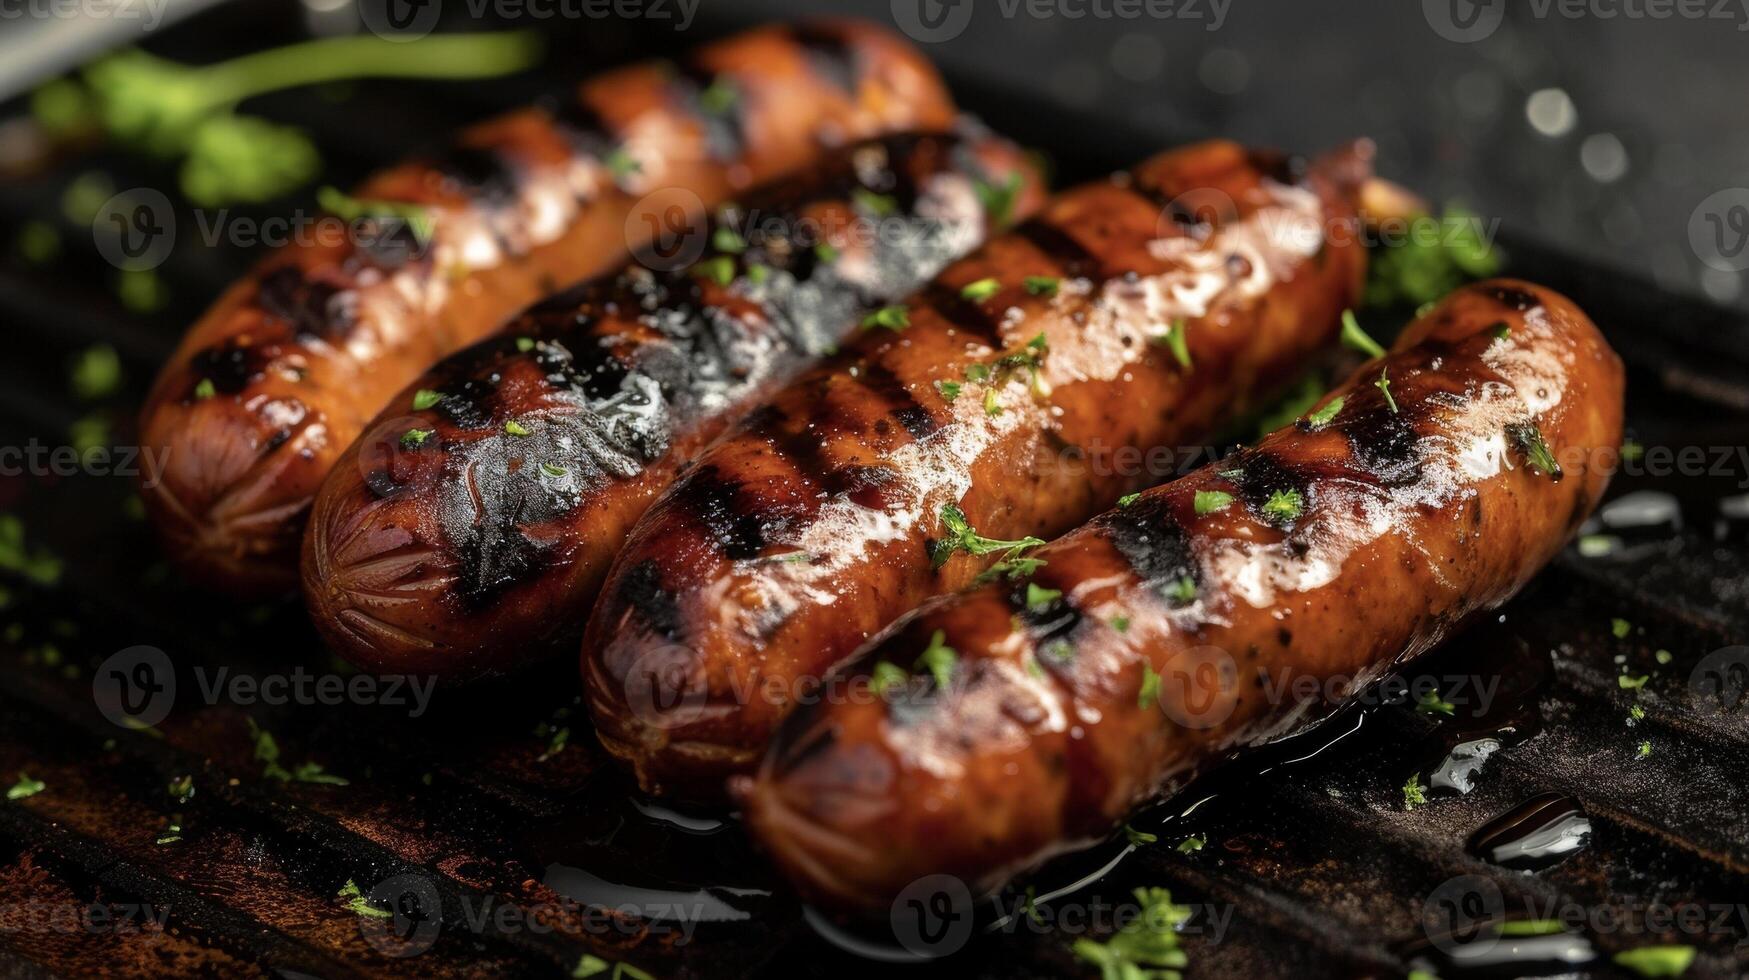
{"points": [[1210, 501], [981, 290], [1355, 338]]}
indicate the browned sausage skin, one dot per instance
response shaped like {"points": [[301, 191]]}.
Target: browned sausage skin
{"points": [[273, 383], [809, 526], [479, 545], [1352, 541]]}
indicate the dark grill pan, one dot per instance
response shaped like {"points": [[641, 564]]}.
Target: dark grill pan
{"points": [[511, 850]]}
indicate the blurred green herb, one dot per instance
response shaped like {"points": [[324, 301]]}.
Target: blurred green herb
{"points": [[1418, 270]]}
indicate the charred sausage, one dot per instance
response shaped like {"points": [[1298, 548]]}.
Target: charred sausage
{"points": [[478, 543], [274, 382], [1428, 488], [1140, 311]]}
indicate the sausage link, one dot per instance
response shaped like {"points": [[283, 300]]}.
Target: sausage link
{"points": [[274, 382], [479, 546], [813, 523], [1168, 633]]}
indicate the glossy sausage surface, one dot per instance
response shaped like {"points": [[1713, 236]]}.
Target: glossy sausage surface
{"points": [[276, 380], [478, 544], [818, 519], [1184, 625]]}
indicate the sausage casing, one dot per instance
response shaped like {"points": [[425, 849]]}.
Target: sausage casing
{"points": [[479, 545], [271, 385], [817, 520], [1170, 632]]}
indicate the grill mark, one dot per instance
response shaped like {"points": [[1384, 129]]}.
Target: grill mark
{"points": [[1053, 621], [1151, 542], [583, 128], [902, 405], [312, 309], [642, 592], [1513, 298], [1062, 248], [829, 56], [805, 451], [231, 366], [964, 315], [725, 132], [714, 502], [489, 178]]}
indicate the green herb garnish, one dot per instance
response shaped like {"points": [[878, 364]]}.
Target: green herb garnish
{"points": [[424, 398], [204, 389], [949, 389], [1323, 416], [719, 269], [1529, 439], [1620, 628], [895, 318], [826, 252], [1656, 961], [1191, 845], [1383, 384], [1039, 599], [25, 788], [357, 902], [1413, 795], [960, 536], [1150, 689], [1042, 285], [981, 290], [1177, 342], [872, 204], [415, 437], [1283, 505], [1128, 499], [516, 428], [887, 677], [1144, 949], [1432, 704], [938, 658], [720, 97], [726, 239], [1137, 838], [349, 208], [998, 201], [97, 372], [1627, 683], [1210, 501], [1356, 338]]}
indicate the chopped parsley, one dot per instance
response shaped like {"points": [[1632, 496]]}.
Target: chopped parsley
{"points": [[181, 789], [1355, 338], [961, 536], [204, 389], [97, 372], [1637, 713], [1128, 499], [1501, 331], [591, 965], [553, 470], [875, 205], [1138, 837], [1383, 384], [525, 344], [720, 98], [757, 274], [719, 269], [1150, 689], [1283, 505], [267, 753], [1631, 450], [938, 658], [992, 406], [1663, 656], [998, 200], [1532, 927], [981, 290], [1042, 285], [621, 164], [349, 208], [1620, 628], [1632, 683], [1147, 947], [1529, 439], [895, 318], [1598, 545], [415, 437], [1413, 795], [1182, 591], [1120, 623], [516, 428], [171, 834], [949, 389], [424, 398], [726, 239], [1644, 751], [826, 252], [1175, 340], [1210, 501], [1039, 599], [1432, 704], [1325, 415], [888, 677], [358, 903], [1656, 961], [1014, 568], [1190, 845], [25, 788]]}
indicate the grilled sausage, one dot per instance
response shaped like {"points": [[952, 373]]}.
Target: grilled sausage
{"points": [[1170, 632], [814, 522], [480, 547], [274, 382]]}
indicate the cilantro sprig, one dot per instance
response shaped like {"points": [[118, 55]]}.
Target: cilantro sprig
{"points": [[961, 536]]}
